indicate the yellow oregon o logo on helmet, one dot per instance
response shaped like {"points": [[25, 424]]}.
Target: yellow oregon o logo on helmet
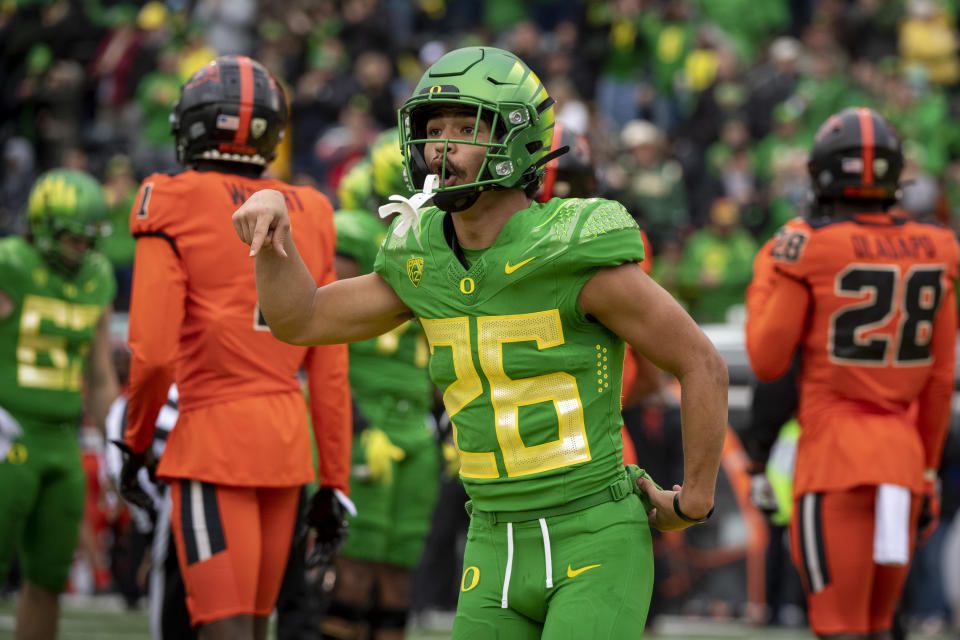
{"points": [[473, 581], [467, 286], [436, 89]]}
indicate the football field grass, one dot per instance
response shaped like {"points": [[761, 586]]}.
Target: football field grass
{"points": [[94, 620]]}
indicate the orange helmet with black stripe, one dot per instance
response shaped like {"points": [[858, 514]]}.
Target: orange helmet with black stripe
{"points": [[231, 110]]}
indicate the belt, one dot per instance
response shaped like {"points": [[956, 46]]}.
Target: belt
{"points": [[614, 492]]}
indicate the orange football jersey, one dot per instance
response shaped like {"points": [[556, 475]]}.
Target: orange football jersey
{"points": [[195, 319], [871, 303]]}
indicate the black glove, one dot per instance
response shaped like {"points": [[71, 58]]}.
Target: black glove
{"points": [[130, 487], [327, 515], [930, 510]]}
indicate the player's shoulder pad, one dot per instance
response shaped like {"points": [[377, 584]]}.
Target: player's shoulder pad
{"points": [[576, 228], [790, 246], [798, 222], [945, 245], [13, 252], [575, 220], [601, 217], [159, 201], [17, 259]]}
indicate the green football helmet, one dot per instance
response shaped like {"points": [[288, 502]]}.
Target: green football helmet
{"points": [[66, 201], [355, 189], [500, 88], [387, 164], [371, 181]]}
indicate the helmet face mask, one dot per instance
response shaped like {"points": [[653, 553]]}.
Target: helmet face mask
{"points": [[67, 213], [231, 110], [492, 86]]}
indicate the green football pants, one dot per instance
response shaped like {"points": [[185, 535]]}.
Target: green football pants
{"points": [[42, 492], [393, 520], [587, 574]]}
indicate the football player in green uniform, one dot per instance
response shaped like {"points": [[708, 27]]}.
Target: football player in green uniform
{"points": [[55, 302], [526, 307], [395, 467], [355, 190]]}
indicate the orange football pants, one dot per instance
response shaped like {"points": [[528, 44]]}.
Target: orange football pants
{"points": [[232, 546], [831, 537]]}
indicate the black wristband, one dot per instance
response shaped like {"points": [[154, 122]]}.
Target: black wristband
{"points": [[683, 516]]}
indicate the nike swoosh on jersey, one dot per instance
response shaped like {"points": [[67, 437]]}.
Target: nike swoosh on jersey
{"points": [[573, 573], [508, 268]]}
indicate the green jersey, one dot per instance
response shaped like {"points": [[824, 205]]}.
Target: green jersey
{"points": [[531, 384], [44, 342], [391, 368]]}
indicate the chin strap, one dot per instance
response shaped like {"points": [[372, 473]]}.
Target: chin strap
{"points": [[556, 153], [457, 199]]}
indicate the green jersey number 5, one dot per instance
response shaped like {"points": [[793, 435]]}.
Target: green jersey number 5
{"points": [[508, 394]]}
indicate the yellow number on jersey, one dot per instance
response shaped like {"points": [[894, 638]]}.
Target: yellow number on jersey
{"points": [[61, 374], [455, 333], [508, 395]]}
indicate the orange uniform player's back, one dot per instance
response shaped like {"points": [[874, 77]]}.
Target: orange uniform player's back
{"points": [[226, 349], [195, 316], [871, 302]]}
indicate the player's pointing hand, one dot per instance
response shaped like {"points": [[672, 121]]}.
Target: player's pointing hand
{"points": [[263, 219]]}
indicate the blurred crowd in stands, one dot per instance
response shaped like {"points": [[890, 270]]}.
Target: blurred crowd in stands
{"points": [[698, 113]]}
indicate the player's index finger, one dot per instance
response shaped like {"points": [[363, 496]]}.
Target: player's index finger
{"points": [[259, 232]]}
